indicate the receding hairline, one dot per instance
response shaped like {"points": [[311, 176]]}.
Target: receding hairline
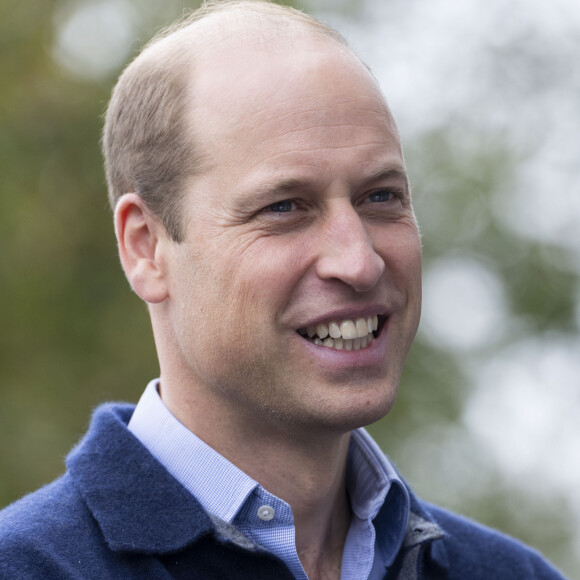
{"points": [[149, 144], [216, 20]]}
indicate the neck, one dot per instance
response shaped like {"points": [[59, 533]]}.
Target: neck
{"points": [[305, 468]]}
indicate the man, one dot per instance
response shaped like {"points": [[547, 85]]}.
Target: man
{"points": [[263, 213]]}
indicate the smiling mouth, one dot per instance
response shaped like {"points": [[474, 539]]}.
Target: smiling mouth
{"points": [[347, 334]]}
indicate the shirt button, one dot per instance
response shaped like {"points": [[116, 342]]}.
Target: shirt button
{"points": [[266, 513]]}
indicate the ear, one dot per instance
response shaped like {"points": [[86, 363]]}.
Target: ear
{"points": [[140, 235]]}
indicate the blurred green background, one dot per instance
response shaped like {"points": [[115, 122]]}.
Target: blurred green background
{"points": [[488, 108]]}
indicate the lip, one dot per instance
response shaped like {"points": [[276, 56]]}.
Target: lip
{"points": [[347, 313], [373, 356]]}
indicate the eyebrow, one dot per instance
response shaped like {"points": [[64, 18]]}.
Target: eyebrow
{"points": [[270, 190], [389, 171]]}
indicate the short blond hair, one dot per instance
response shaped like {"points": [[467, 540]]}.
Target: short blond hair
{"points": [[148, 146]]}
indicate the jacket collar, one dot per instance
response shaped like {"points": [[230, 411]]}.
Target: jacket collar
{"points": [[139, 506]]}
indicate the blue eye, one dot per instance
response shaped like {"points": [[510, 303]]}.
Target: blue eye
{"points": [[281, 206], [380, 196]]}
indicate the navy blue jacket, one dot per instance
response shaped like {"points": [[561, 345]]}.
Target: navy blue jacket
{"points": [[118, 514]]}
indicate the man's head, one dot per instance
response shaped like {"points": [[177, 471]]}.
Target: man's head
{"points": [[148, 140], [294, 222]]}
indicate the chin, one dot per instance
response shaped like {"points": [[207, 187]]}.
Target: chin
{"points": [[364, 409], [371, 414]]}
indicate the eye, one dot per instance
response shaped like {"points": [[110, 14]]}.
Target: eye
{"points": [[285, 216], [383, 195], [383, 205], [284, 206]]}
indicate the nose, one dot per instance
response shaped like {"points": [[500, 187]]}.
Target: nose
{"points": [[347, 252]]}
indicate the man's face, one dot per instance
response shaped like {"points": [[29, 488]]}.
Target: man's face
{"points": [[300, 220]]}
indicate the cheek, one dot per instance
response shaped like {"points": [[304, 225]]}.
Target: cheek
{"points": [[265, 274], [410, 265], [401, 250]]}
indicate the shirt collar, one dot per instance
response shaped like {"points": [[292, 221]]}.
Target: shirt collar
{"points": [[378, 494], [370, 476], [219, 486], [223, 489]]}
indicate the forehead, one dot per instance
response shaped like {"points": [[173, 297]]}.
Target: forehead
{"points": [[296, 106], [298, 71]]}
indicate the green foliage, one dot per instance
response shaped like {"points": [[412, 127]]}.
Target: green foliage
{"points": [[74, 334]]}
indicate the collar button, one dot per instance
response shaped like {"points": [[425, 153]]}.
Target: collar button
{"points": [[266, 513]]}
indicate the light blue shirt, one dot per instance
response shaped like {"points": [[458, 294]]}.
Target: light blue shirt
{"points": [[379, 499]]}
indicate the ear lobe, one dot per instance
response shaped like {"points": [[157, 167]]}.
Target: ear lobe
{"points": [[139, 235]]}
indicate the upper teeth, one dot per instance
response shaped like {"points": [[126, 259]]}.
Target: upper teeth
{"points": [[346, 329]]}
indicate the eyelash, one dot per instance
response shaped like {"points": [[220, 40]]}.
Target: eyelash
{"points": [[391, 193], [275, 207], [287, 205]]}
